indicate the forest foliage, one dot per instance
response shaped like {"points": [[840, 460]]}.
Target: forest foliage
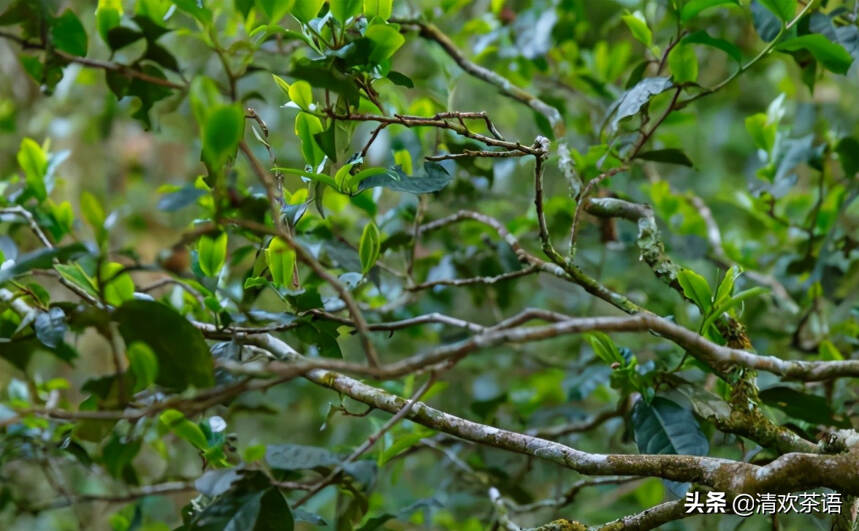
{"points": [[427, 264]]}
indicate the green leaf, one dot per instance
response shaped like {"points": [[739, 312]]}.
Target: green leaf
{"points": [[831, 55], [730, 303], [693, 7], [221, 135], [762, 132], [203, 96], [306, 126], [726, 286], [604, 347], [848, 154], [212, 253], [195, 9], [143, 364], [301, 93], [810, 408], [177, 423], [702, 37], [783, 9], [68, 34], [75, 274], [369, 247], [107, 16], [669, 156], [378, 8], [93, 213], [696, 289], [34, 162], [319, 177], [343, 10], [403, 159], [282, 84], [386, 39], [183, 356], [683, 64], [631, 101], [638, 27], [280, 258], [118, 287], [435, 178], [327, 141], [41, 259], [50, 327], [664, 427], [766, 23], [274, 10], [305, 10]]}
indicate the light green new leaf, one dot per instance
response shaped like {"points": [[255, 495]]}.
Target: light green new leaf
{"points": [[638, 27], [762, 132], [222, 133], [212, 253], [203, 96], [305, 10], [143, 364], [301, 93], [282, 84], [274, 10], [831, 55], [93, 213], [726, 286], [378, 8], [68, 34], [343, 10], [604, 347], [783, 9], [117, 287], [693, 7], [34, 162], [184, 428], [280, 258], [696, 289], [307, 125], [729, 303], [683, 64], [386, 41], [369, 247], [403, 159]]}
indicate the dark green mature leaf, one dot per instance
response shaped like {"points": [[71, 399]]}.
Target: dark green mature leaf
{"points": [[51, 327], [664, 427], [149, 93], [848, 154], [42, 259], [831, 55], [766, 23], [183, 356], [118, 453], [245, 509], [434, 178], [68, 34], [693, 7], [216, 482], [321, 74], [400, 79], [180, 199], [702, 37], [635, 98], [669, 156], [298, 457], [811, 408]]}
